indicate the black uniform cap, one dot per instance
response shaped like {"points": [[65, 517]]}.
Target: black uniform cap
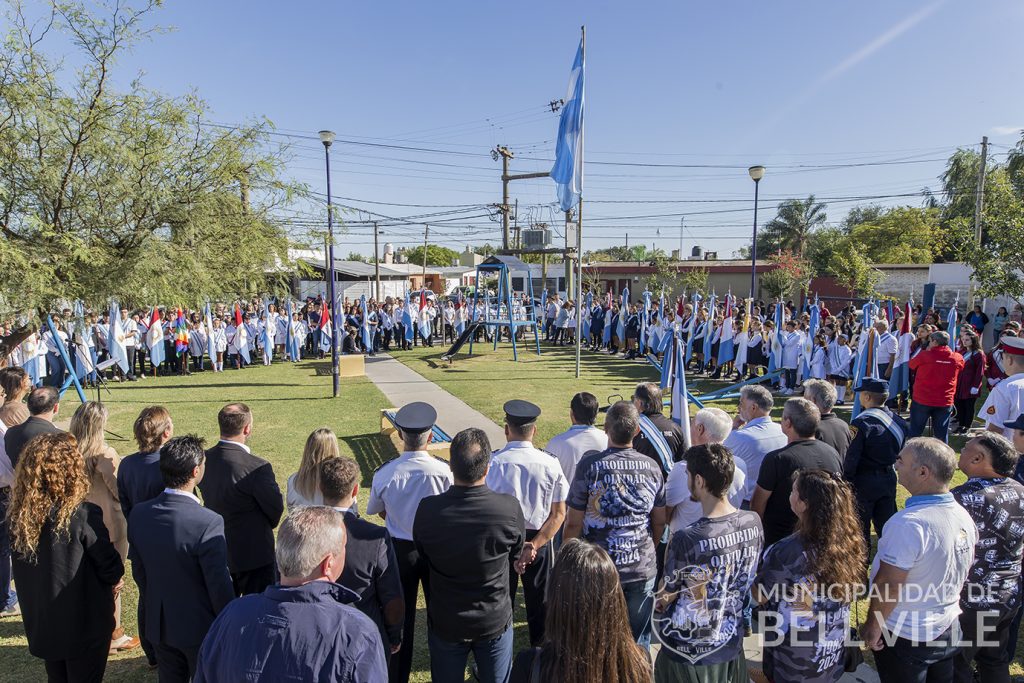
{"points": [[521, 413], [416, 418], [875, 386]]}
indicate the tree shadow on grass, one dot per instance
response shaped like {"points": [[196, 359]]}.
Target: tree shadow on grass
{"points": [[370, 451]]}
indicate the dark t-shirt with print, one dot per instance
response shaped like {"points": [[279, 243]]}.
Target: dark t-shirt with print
{"points": [[997, 508], [709, 568], [616, 489], [809, 628]]}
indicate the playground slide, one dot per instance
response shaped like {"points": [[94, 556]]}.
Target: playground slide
{"points": [[463, 338]]}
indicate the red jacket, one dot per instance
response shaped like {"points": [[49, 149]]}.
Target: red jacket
{"points": [[937, 371]]}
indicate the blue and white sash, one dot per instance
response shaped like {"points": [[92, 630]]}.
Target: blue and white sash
{"points": [[658, 440], [887, 422]]}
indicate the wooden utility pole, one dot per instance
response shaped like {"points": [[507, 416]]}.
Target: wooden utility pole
{"points": [[376, 259], [505, 153]]}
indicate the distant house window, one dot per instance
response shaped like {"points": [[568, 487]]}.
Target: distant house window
{"points": [[561, 284]]}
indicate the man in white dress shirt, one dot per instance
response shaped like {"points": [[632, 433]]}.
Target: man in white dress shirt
{"points": [[708, 425], [537, 482], [395, 494], [570, 446], [755, 435]]}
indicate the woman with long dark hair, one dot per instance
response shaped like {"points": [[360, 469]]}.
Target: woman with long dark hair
{"points": [[66, 569], [809, 579], [970, 379], [587, 635]]}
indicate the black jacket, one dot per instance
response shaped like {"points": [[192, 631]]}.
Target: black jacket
{"points": [[241, 488], [66, 595], [371, 572], [18, 436], [181, 568]]}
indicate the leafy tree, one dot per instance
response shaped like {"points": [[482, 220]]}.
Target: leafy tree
{"points": [[899, 235], [852, 269], [790, 273], [998, 260], [695, 280], [862, 214], [821, 248], [122, 193], [792, 227], [356, 256], [436, 255], [665, 276]]}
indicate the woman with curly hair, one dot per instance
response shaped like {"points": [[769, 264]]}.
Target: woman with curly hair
{"points": [[587, 636], [809, 579], [101, 464], [67, 570]]}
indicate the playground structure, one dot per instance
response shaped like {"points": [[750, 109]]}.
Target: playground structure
{"points": [[500, 265]]}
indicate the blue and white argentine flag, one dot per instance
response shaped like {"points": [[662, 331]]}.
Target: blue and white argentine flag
{"points": [[680, 400], [568, 169]]}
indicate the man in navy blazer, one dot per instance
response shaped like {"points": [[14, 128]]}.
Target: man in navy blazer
{"points": [[181, 562], [241, 488]]}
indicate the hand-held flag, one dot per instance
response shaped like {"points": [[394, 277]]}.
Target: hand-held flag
{"points": [[115, 338], [155, 339]]}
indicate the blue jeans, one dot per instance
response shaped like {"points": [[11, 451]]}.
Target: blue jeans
{"points": [[920, 414], [493, 658], [7, 596], [640, 606]]}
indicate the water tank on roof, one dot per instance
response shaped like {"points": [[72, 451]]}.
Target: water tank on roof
{"points": [[696, 252], [389, 253]]}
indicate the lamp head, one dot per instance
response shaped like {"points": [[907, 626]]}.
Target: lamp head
{"points": [[756, 173], [327, 137]]}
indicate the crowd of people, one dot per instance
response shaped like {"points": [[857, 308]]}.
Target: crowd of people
{"points": [[623, 537]]}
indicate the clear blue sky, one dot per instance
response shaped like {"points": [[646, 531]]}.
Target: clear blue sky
{"points": [[725, 83]]}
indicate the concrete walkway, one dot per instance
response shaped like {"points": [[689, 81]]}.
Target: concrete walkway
{"points": [[402, 385]]}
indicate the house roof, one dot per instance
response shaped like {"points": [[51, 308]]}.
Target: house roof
{"points": [[358, 269]]}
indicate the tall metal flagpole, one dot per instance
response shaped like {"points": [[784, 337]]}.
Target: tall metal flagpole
{"points": [[579, 222]]}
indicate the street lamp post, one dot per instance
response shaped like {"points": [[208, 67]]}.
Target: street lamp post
{"points": [[327, 137], [756, 173]]}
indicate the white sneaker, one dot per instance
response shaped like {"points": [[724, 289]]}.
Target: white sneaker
{"points": [[12, 611]]}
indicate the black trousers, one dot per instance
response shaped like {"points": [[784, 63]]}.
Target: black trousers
{"points": [[253, 581], [412, 569], [176, 665], [965, 412], [909, 662], [876, 501], [88, 668], [985, 635], [535, 584]]}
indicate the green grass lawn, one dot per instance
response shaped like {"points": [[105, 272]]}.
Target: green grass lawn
{"points": [[288, 402], [489, 378]]}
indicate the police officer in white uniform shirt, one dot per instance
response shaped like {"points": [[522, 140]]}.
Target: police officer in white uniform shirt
{"points": [[395, 494], [1006, 400], [536, 480]]}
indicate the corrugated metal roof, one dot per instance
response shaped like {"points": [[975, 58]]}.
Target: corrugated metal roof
{"points": [[358, 269]]}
